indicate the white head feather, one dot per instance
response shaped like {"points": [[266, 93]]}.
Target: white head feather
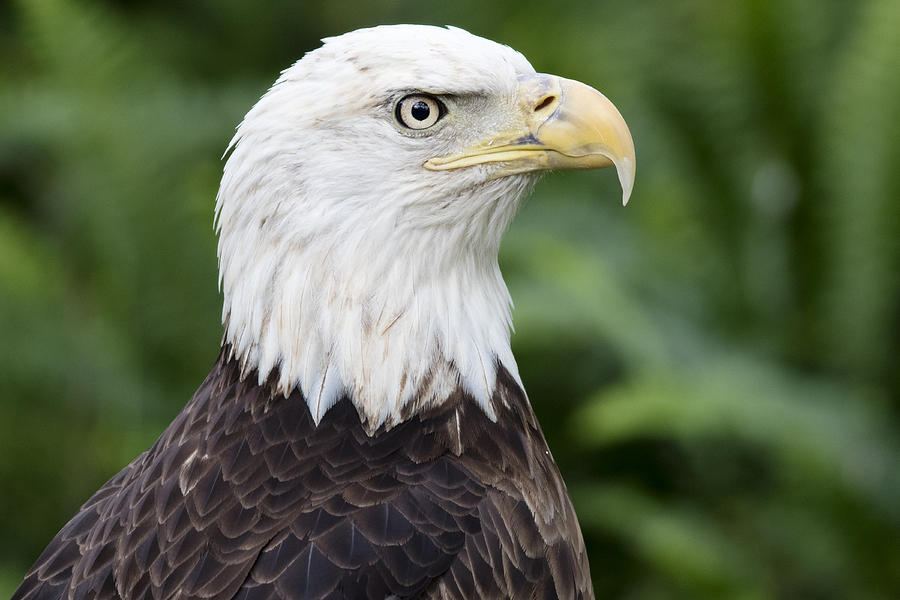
{"points": [[346, 266]]}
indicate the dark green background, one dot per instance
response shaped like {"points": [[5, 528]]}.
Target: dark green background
{"points": [[715, 366]]}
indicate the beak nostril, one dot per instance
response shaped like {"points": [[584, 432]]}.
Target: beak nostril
{"points": [[545, 102]]}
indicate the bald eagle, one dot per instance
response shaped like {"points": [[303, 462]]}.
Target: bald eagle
{"points": [[364, 432]]}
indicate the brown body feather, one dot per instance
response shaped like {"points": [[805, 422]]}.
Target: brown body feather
{"points": [[244, 497]]}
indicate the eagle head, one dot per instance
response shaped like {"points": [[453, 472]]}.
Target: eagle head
{"points": [[362, 206]]}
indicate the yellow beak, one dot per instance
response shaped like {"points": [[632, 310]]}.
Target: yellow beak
{"points": [[562, 124]]}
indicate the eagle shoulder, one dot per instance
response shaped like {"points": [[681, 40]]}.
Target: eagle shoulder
{"points": [[244, 496]]}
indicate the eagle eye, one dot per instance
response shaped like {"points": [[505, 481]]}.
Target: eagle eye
{"points": [[419, 111]]}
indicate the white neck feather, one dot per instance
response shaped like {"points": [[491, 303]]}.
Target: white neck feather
{"points": [[392, 312], [346, 267], [377, 313]]}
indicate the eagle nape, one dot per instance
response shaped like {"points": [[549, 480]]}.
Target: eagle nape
{"points": [[364, 432]]}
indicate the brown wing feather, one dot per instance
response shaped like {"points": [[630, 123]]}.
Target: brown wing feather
{"points": [[243, 496]]}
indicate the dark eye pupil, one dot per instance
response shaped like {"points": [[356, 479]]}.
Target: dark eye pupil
{"points": [[420, 111]]}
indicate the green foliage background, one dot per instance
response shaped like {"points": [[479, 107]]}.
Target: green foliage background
{"points": [[715, 366]]}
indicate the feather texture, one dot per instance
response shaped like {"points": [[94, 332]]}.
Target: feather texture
{"points": [[243, 496], [344, 264]]}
